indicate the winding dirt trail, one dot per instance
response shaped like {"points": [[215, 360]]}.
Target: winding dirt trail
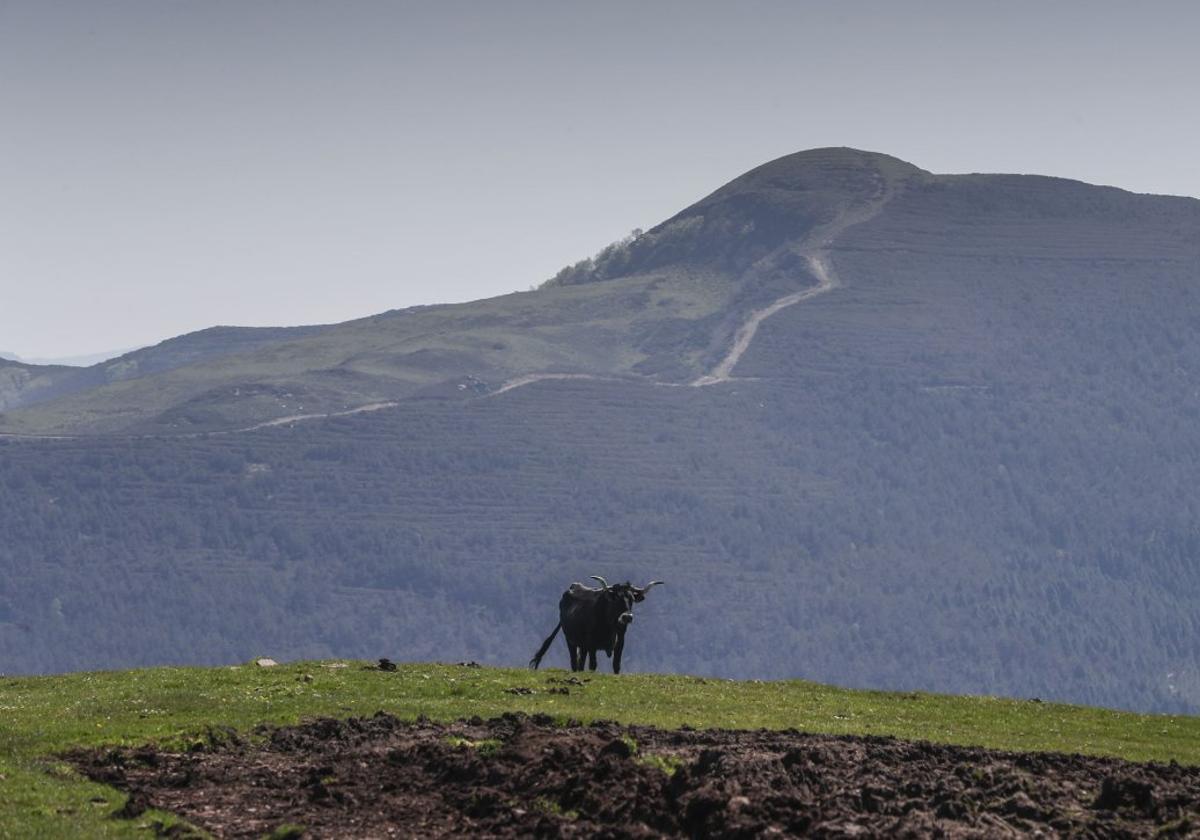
{"points": [[20, 436], [299, 418], [530, 378], [814, 251], [723, 372], [266, 424]]}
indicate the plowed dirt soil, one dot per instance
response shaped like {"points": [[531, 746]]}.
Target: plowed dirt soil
{"points": [[525, 776]]}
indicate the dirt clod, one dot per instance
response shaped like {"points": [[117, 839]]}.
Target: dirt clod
{"points": [[567, 681], [524, 776], [1117, 792]]}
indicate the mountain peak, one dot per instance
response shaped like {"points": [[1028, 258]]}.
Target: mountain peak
{"points": [[830, 178], [825, 167], [780, 202]]}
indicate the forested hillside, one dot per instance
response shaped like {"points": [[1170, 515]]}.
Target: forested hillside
{"points": [[967, 467]]}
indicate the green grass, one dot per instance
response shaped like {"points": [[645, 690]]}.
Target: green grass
{"points": [[486, 747], [667, 764], [42, 716]]}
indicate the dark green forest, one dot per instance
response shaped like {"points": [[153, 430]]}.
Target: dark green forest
{"points": [[874, 532]]}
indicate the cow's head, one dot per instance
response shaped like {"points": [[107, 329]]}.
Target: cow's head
{"points": [[617, 601]]}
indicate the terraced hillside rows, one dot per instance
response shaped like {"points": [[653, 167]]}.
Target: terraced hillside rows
{"points": [[969, 467]]}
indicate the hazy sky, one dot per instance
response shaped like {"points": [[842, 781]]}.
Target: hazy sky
{"points": [[167, 165]]}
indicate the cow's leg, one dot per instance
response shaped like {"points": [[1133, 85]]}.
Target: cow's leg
{"points": [[617, 655], [574, 657], [591, 660]]}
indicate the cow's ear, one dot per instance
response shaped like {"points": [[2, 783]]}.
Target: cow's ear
{"points": [[639, 596]]}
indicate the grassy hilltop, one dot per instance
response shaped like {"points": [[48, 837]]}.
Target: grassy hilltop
{"points": [[44, 716]]}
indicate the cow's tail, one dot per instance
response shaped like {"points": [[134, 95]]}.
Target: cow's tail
{"points": [[537, 657]]}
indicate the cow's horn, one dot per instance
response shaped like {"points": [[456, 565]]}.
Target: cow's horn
{"points": [[646, 588], [603, 582]]}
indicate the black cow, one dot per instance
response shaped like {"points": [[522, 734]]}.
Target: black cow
{"points": [[594, 619]]}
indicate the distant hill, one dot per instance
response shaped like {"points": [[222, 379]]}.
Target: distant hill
{"points": [[667, 314], [21, 383], [874, 426], [86, 360], [52, 382]]}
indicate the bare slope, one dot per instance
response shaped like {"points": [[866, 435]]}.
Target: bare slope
{"points": [[43, 383], [668, 313], [21, 383]]}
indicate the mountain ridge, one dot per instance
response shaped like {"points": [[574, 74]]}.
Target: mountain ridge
{"points": [[967, 465], [731, 253]]}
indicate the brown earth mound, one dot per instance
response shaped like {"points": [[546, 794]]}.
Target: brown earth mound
{"points": [[523, 776]]}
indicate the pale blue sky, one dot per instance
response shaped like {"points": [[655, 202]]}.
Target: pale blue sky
{"points": [[166, 166]]}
